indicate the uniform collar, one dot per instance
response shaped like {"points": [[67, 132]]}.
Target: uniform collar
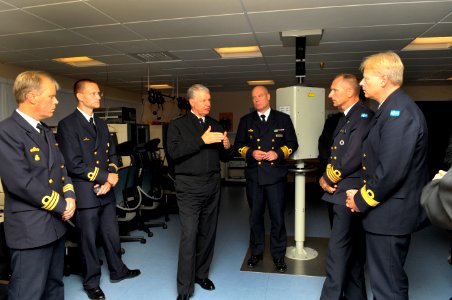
{"points": [[29, 119]]}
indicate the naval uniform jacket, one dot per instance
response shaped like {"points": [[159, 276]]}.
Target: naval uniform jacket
{"points": [[277, 134], [187, 150], [394, 168], [35, 183], [90, 155], [344, 165]]}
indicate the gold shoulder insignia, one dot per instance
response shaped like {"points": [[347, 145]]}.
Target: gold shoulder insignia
{"points": [[37, 158], [250, 130], [86, 139], [34, 149]]}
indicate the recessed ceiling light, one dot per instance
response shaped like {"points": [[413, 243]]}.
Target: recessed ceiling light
{"points": [[159, 86], [429, 43], [80, 61], [239, 52], [261, 82]]}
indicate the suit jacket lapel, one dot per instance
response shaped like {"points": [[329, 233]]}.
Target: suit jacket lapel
{"points": [[33, 134]]}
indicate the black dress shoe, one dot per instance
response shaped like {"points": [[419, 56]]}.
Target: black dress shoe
{"points": [[95, 293], [280, 265], [183, 297], [253, 260], [129, 274], [205, 283]]}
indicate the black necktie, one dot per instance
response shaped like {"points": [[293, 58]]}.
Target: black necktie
{"points": [[40, 129], [91, 121], [201, 121], [263, 118]]}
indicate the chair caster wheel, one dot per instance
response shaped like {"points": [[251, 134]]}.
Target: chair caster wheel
{"points": [[165, 226], [143, 241]]}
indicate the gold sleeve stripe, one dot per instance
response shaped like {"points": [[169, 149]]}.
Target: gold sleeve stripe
{"points": [[243, 151], [50, 202], [368, 196], [92, 175], [287, 151], [68, 187], [332, 174], [114, 166]]}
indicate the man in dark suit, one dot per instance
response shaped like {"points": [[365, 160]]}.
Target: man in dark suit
{"points": [[394, 170], [346, 248], [39, 195], [92, 163], [265, 139], [196, 143]]}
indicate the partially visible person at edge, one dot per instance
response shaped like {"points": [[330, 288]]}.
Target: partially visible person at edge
{"points": [[39, 196], [394, 163]]}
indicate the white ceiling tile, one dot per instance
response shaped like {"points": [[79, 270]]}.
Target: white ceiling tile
{"points": [[84, 50], [130, 47], [349, 16], [54, 38], [215, 25], [143, 10], [206, 42], [17, 21], [108, 33], [81, 14]]}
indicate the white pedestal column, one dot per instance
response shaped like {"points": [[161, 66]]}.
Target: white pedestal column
{"points": [[299, 251]]}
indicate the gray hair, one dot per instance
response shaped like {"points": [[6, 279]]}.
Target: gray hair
{"points": [[29, 81], [196, 88], [385, 63]]}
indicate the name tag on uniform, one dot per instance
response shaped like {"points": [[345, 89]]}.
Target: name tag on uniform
{"points": [[279, 135]]}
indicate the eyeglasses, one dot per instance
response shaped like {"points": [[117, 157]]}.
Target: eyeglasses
{"points": [[93, 94]]}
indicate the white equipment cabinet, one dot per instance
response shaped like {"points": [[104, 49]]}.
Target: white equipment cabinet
{"points": [[306, 107]]}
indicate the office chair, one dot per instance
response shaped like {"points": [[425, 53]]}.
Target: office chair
{"points": [[149, 187], [127, 202]]}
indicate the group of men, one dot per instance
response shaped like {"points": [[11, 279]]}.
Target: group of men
{"points": [[372, 182], [42, 178]]}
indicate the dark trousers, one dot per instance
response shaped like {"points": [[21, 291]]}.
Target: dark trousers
{"points": [[274, 195], [346, 257], [37, 273], [102, 220], [386, 256], [198, 200]]}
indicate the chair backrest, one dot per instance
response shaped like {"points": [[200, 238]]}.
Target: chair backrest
{"points": [[126, 189]]}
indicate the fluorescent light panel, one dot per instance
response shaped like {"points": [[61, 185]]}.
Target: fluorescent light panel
{"points": [[159, 86], [261, 82], [239, 52], [80, 61], [429, 43]]}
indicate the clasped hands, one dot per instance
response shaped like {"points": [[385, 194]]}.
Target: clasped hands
{"points": [[261, 155], [210, 137]]}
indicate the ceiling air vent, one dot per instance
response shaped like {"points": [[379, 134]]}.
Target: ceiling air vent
{"points": [[155, 56]]}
